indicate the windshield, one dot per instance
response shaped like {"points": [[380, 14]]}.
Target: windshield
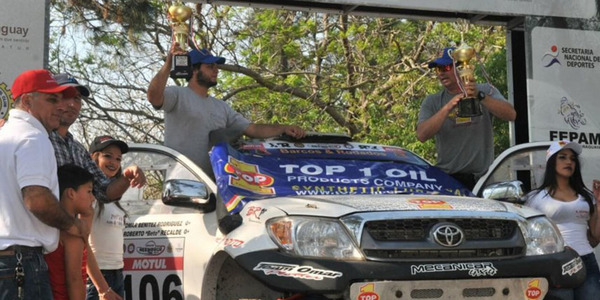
{"points": [[337, 151], [275, 168]]}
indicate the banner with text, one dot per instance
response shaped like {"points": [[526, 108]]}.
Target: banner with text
{"points": [[267, 170], [564, 91]]}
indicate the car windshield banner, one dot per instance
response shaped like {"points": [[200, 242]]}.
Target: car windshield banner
{"points": [[262, 171]]}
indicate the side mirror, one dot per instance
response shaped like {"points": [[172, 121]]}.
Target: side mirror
{"points": [[509, 191], [188, 193]]}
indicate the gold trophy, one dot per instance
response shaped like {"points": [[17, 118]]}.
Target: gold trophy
{"points": [[179, 14], [468, 106]]}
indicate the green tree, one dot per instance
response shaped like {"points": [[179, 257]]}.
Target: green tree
{"points": [[358, 75]]}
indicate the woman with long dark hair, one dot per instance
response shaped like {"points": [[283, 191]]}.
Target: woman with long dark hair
{"points": [[565, 199], [106, 238]]}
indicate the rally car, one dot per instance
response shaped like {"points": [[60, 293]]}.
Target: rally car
{"points": [[328, 218]]}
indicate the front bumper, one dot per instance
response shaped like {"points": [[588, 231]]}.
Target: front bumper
{"points": [[283, 272]]}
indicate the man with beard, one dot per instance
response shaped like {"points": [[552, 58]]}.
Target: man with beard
{"points": [[465, 146], [191, 114]]}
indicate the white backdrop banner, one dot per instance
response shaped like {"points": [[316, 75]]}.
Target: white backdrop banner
{"points": [[564, 92]]}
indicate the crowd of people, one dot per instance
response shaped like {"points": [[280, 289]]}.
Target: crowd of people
{"points": [[61, 200], [52, 187]]}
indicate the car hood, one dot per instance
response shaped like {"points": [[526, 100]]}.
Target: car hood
{"points": [[336, 206]]}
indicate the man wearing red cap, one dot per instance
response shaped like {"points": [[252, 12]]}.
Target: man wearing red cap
{"points": [[30, 215], [191, 114]]}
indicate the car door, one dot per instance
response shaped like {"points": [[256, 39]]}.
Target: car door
{"points": [[166, 246], [524, 163]]}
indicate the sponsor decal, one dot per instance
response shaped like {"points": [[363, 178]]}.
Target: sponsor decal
{"points": [[5, 101], [533, 291], [233, 202], [367, 292], [474, 269], [572, 267], [254, 213], [234, 243], [572, 113], [296, 271], [248, 177], [153, 277], [151, 249], [431, 204]]}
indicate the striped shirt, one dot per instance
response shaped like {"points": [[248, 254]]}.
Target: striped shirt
{"points": [[70, 151]]}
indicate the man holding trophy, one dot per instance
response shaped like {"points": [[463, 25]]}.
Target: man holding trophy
{"points": [[190, 113], [460, 117]]}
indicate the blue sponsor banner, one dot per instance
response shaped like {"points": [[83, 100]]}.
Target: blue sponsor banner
{"points": [[264, 171]]}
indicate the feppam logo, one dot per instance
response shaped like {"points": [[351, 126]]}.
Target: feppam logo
{"points": [[572, 113], [551, 57]]}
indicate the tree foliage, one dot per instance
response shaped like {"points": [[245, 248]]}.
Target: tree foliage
{"points": [[358, 75]]}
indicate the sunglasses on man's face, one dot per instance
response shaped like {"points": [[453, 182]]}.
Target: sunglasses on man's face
{"points": [[442, 69]]}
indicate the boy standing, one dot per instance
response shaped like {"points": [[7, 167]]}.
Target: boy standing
{"points": [[66, 265]]}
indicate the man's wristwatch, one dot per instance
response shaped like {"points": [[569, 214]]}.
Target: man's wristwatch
{"points": [[480, 95]]}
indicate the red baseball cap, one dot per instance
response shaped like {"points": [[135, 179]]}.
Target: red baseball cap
{"points": [[39, 81]]}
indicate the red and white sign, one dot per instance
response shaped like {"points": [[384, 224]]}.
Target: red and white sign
{"points": [[153, 266]]}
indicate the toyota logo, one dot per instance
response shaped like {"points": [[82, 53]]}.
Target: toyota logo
{"points": [[448, 235]]}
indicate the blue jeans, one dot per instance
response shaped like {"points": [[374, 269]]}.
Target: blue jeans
{"points": [[115, 280], [589, 290], [37, 282]]}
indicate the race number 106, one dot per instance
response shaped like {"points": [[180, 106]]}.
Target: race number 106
{"points": [[149, 288]]}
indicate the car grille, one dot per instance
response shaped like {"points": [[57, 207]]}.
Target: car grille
{"points": [[406, 239], [418, 229]]}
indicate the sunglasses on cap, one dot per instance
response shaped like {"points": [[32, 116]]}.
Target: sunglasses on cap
{"points": [[442, 69]]}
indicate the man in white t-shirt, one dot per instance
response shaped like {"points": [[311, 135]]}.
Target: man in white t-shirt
{"points": [[30, 215]]}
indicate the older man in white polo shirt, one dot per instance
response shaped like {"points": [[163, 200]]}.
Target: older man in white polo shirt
{"points": [[30, 215]]}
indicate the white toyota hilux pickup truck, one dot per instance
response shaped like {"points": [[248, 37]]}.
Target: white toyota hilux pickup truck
{"points": [[327, 218]]}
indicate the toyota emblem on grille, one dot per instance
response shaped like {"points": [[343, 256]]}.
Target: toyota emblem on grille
{"points": [[448, 235]]}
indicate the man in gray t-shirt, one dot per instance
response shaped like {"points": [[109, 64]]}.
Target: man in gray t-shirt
{"points": [[191, 114], [465, 146]]}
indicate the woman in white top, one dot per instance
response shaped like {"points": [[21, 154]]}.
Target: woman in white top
{"points": [[565, 199], [106, 238]]}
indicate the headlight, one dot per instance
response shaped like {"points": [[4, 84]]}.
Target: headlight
{"points": [[542, 236], [317, 237]]}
